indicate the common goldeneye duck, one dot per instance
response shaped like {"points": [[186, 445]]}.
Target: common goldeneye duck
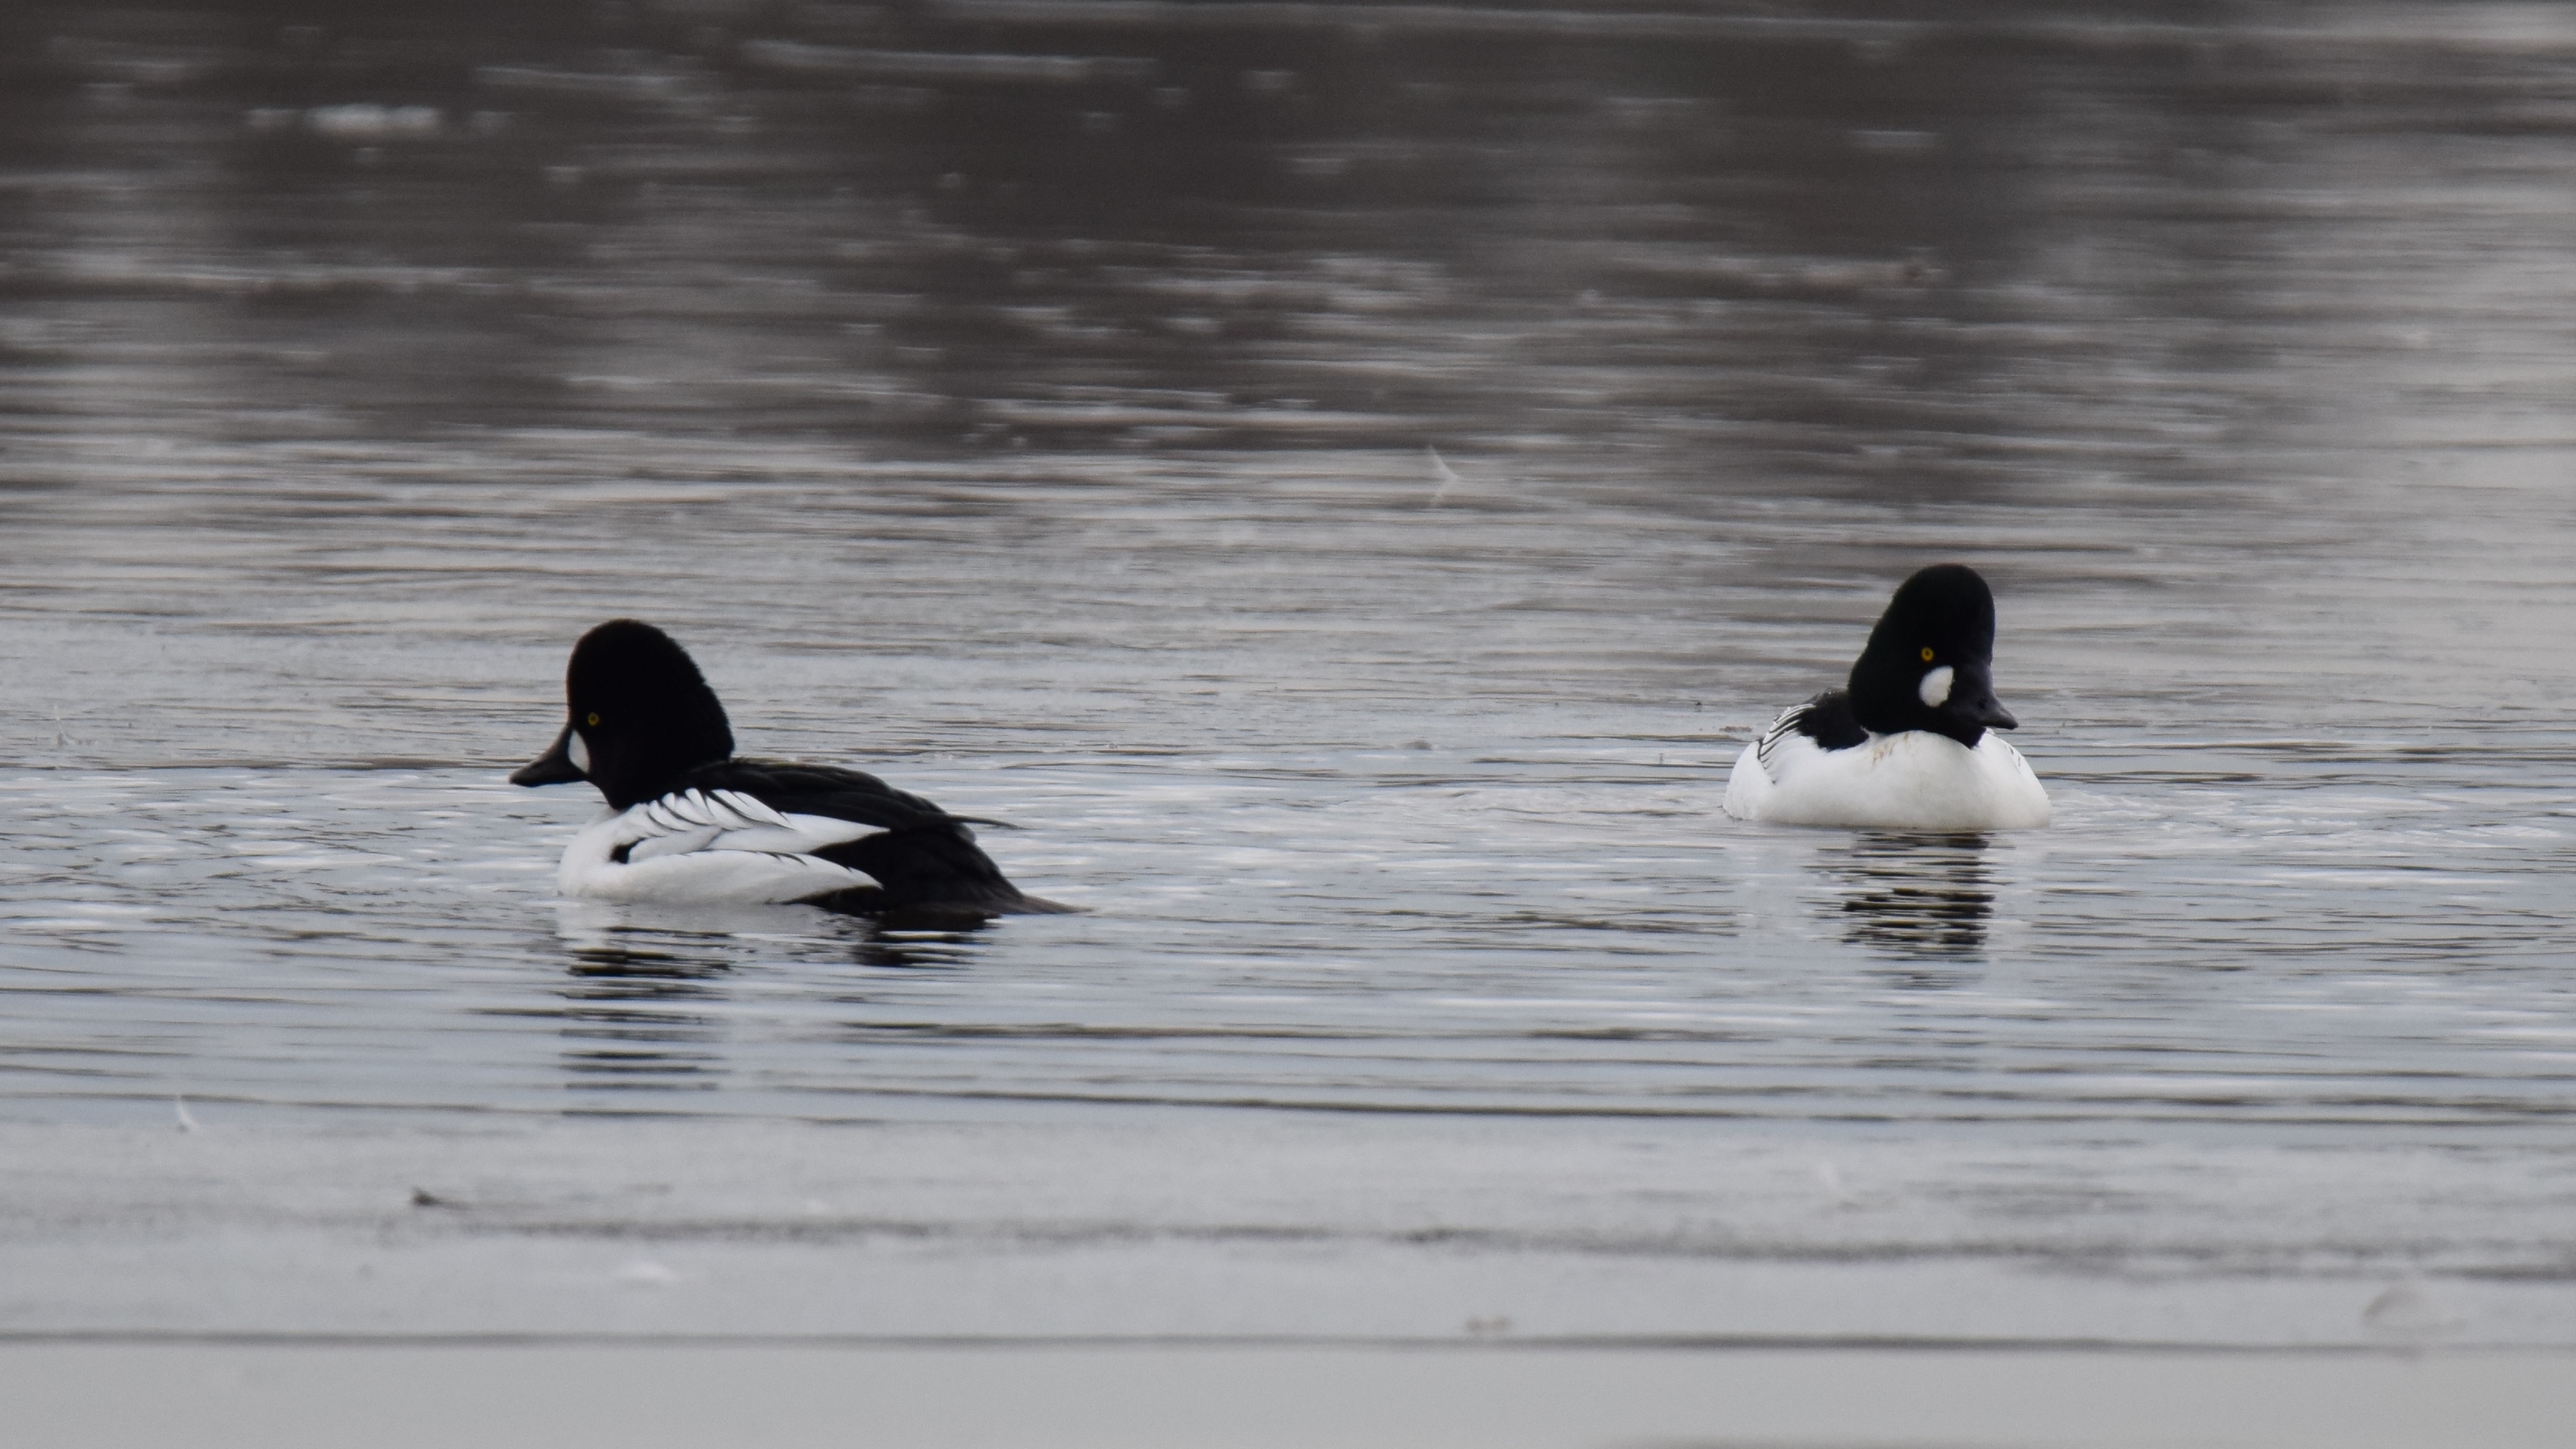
{"points": [[687, 823], [1907, 745]]}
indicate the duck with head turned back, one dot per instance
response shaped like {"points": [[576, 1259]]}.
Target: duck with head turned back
{"points": [[1909, 743], [690, 824]]}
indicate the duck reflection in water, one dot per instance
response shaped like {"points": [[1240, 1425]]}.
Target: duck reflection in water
{"points": [[635, 952], [620, 972], [625, 1025], [644, 1006], [887, 944], [1917, 896]]}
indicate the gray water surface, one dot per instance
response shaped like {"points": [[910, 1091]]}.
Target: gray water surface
{"points": [[1343, 484]]}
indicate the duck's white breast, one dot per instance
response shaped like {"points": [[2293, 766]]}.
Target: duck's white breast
{"points": [[1916, 780]]}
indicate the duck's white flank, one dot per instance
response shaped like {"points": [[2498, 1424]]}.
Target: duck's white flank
{"points": [[706, 847], [1916, 780]]}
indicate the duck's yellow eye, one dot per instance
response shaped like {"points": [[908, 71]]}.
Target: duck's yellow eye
{"points": [[1927, 658], [594, 714]]}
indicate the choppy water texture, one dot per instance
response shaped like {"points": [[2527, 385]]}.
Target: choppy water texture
{"points": [[1343, 482]]}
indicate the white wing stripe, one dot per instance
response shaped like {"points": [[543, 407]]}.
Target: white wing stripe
{"points": [[690, 821], [751, 808], [1780, 729], [697, 809], [680, 843]]}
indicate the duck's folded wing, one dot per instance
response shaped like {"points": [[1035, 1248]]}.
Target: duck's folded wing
{"points": [[687, 821], [1826, 719], [787, 789], [918, 852]]}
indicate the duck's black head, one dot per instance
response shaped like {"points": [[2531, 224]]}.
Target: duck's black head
{"points": [[1930, 661], [641, 717]]}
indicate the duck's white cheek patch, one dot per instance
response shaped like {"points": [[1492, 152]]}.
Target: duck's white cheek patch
{"points": [[579, 751], [1935, 690]]}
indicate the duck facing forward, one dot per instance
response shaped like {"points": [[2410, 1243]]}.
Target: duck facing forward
{"points": [[689, 824], [1908, 745]]}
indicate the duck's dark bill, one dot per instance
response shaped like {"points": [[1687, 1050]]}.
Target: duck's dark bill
{"points": [[554, 767], [1985, 711], [1972, 699]]}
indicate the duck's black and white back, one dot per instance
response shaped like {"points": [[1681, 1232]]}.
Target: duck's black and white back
{"points": [[1909, 744], [689, 824]]}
